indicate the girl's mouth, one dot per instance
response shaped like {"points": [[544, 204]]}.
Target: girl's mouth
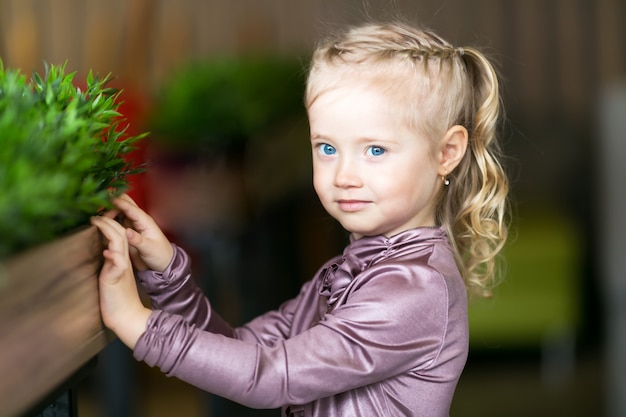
{"points": [[351, 205]]}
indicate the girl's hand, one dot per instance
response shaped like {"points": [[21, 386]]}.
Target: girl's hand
{"points": [[150, 248], [120, 305]]}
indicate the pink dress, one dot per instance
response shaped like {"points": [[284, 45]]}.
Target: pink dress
{"points": [[380, 331]]}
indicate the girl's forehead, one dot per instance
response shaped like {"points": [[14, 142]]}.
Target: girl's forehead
{"points": [[352, 97], [384, 80], [358, 112]]}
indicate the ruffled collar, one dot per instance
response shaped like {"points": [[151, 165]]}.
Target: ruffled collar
{"points": [[362, 253]]}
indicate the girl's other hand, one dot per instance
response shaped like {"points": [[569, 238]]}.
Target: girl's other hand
{"points": [[120, 306], [149, 247]]}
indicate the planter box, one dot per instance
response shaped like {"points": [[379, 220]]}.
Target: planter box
{"points": [[50, 323]]}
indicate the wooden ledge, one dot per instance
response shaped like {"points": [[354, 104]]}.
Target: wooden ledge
{"points": [[50, 322]]}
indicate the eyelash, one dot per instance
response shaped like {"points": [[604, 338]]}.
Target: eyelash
{"points": [[327, 149], [376, 150]]}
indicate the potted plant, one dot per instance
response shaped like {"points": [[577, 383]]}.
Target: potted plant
{"points": [[222, 103], [213, 123], [63, 155]]}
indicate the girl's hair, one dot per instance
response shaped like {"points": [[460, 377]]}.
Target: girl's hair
{"points": [[440, 86]]}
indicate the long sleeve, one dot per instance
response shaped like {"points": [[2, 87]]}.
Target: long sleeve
{"points": [[175, 292], [390, 324]]}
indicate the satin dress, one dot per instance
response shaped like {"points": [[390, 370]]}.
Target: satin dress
{"points": [[381, 330]]}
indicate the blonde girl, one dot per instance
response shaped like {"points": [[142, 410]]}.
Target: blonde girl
{"points": [[406, 158]]}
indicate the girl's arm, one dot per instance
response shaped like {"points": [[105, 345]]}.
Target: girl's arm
{"points": [[164, 272], [163, 269], [390, 326], [175, 291]]}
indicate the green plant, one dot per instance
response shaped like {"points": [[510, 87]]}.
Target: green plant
{"points": [[62, 154], [223, 102]]}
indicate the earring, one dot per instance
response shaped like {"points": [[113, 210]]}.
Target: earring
{"points": [[445, 180]]}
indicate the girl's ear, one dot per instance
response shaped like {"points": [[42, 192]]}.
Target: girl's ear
{"points": [[452, 149]]}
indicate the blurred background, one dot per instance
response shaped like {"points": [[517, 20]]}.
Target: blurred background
{"points": [[219, 85]]}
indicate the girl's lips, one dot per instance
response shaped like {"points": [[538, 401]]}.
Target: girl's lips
{"points": [[351, 205]]}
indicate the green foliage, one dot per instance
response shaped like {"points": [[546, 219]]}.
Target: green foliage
{"points": [[223, 102], [62, 154]]}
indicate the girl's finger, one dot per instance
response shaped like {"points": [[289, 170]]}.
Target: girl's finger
{"points": [[116, 264], [113, 232], [133, 213], [108, 226], [134, 238], [113, 213], [128, 198], [116, 256], [136, 259]]}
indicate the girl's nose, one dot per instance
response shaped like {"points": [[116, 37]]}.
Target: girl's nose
{"points": [[347, 174]]}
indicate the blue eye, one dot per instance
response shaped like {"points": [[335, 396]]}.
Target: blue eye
{"points": [[328, 149], [376, 150]]}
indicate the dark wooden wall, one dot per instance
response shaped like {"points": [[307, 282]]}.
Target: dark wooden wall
{"points": [[553, 52]]}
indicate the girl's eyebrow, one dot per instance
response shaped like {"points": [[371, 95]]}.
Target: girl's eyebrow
{"points": [[318, 136], [365, 140], [377, 140]]}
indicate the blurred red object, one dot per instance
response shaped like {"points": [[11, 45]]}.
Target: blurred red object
{"points": [[134, 108]]}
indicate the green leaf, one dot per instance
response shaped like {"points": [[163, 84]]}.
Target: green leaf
{"points": [[62, 155]]}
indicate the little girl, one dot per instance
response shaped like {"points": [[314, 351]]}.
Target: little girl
{"points": [[405, 157]]}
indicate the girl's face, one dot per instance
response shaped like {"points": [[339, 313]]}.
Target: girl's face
{"points": [[371, 172]]}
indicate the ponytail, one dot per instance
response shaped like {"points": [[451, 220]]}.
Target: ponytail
{"points": [[474, 208]]}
